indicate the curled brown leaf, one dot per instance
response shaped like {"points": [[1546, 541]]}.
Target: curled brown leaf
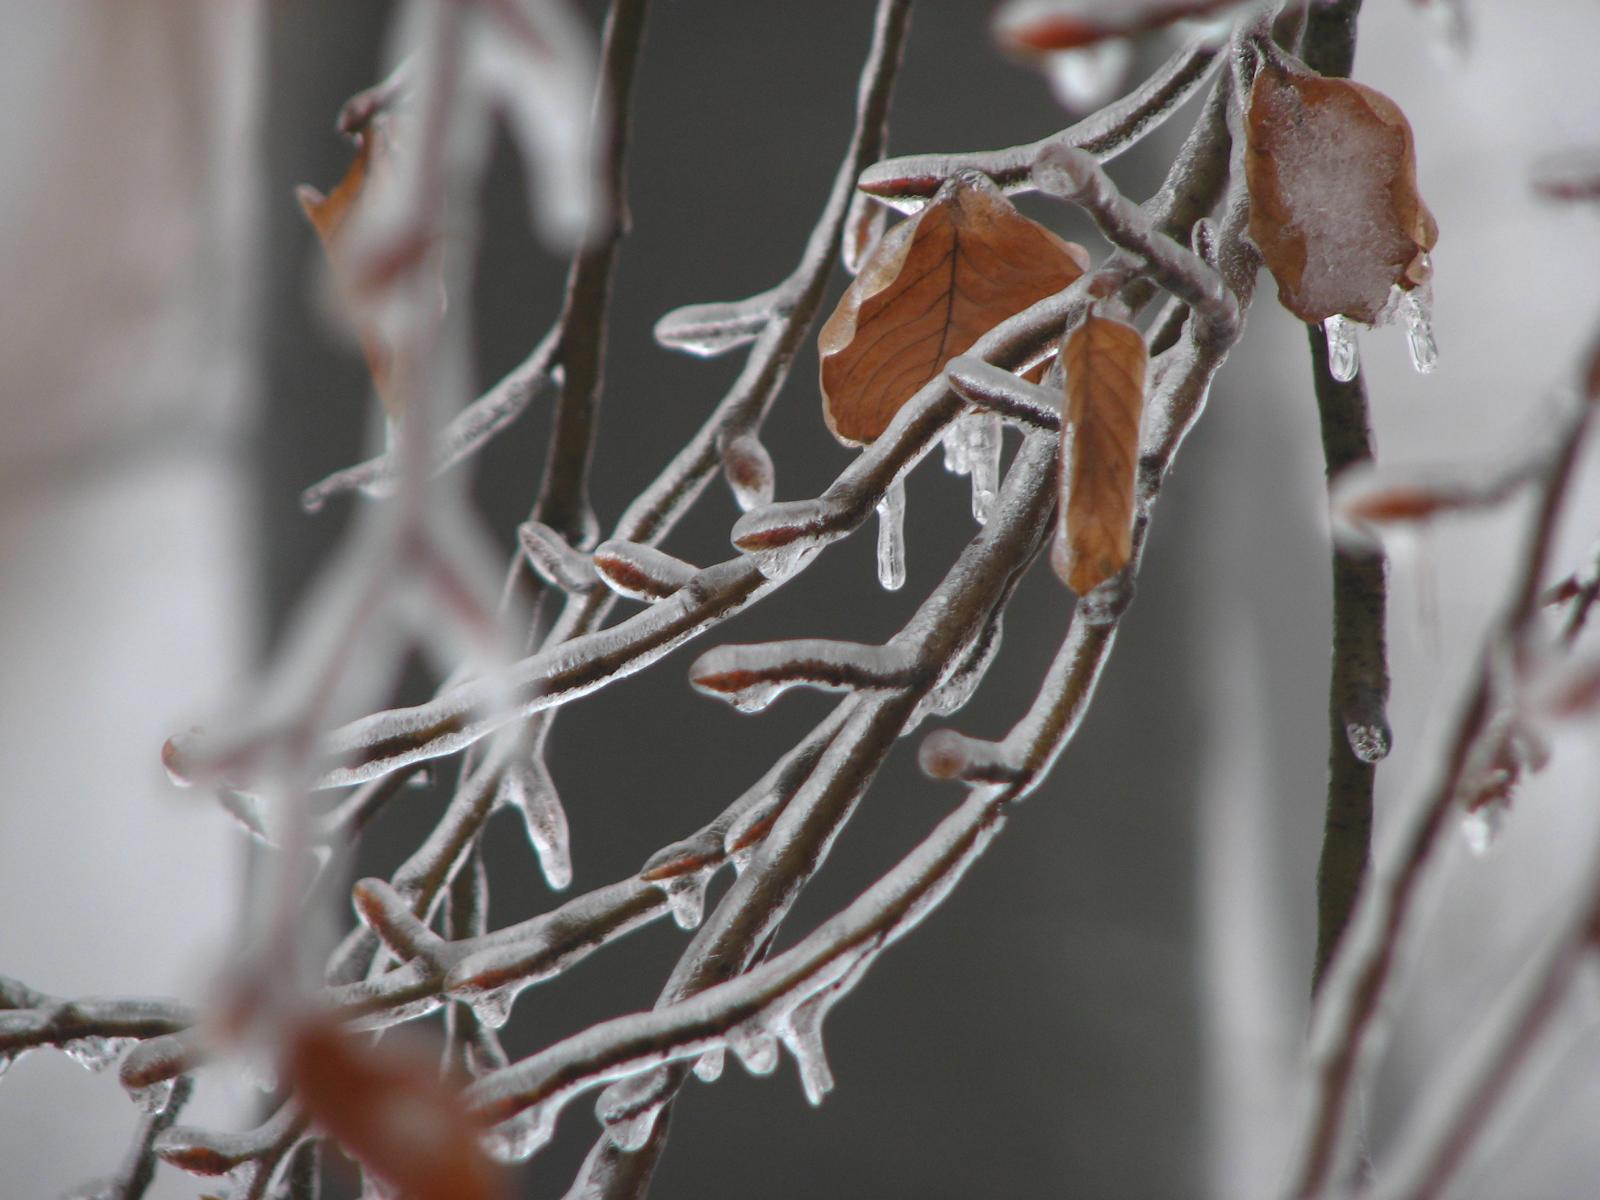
{"points": [[1334, 207], [936, 283], [389, 1110], [1105, 364]]}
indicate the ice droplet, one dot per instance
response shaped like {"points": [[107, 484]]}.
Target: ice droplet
{"points": [[95, 1053], [1369, 743], [686, 898], [493, 1008], [708, 1067], [1416, 310], [892, 537], [153, 1097], [1344, 356], [518, 1138], [1481, 827], [631, 1132], [755, 1047], [801, 1034]]}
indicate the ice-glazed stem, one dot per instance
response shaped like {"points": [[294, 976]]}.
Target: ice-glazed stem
{"points": [[640, 572], [207, 1152], [1348, 1032], [1073, 174], [558, 563], [749, 677], [907, 183], [1005, 393], [30, 1018]]}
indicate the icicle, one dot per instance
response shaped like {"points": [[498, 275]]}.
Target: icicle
{"points": [[1481, 826], [519, 1138], [1344, 356], [984, 449], [493, 1007], [686, 897], [957, 448], [708, 1067], [892, 537], [631, 1132], [527, 787], [153, 1098], [801, 1034], [1416, 309], [95, 1053], [755, 1047]]}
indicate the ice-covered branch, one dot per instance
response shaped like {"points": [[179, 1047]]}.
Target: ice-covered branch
{"points": [[639, 572], [906, 183], [751, 677], [1073, 174], [251, 1157], [1348, 1029], [1023, 403], [1444, 1124], [554, 558], [93, 1030]]}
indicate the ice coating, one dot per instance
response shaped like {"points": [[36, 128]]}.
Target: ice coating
{"points": [[1368, 742], [632, 1131], [1344, 355], [1481, 826], [520, 1137], [748, 467], [800, 1031], [1334, 208], [892, 537], [707, 330], [640, 572], [554, 558]]}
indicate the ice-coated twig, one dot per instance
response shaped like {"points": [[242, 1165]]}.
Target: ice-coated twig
{"points": [[256, 1152], [467, 433], [1348, 1030], [138, 1168], [558, 564], [954, 617], [639, 572], [1023, 403], [750, 677], [907, 183], [91, 1028], [1073, 174], [1443, 1125]]}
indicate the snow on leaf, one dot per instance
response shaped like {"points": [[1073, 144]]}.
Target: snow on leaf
{"points": [[1334, 206], [1025, 26], [390, 1110], [935, 284], [1105, 366]]}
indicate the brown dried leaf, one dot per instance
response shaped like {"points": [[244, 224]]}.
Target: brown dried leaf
{"points": [[390, 1111], [1334, 207], [935, 284], [329, 215], [1105, 368], [1043, 25]]}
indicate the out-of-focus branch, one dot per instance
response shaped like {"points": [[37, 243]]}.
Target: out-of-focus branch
{"points": [[1348, 1029]]}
